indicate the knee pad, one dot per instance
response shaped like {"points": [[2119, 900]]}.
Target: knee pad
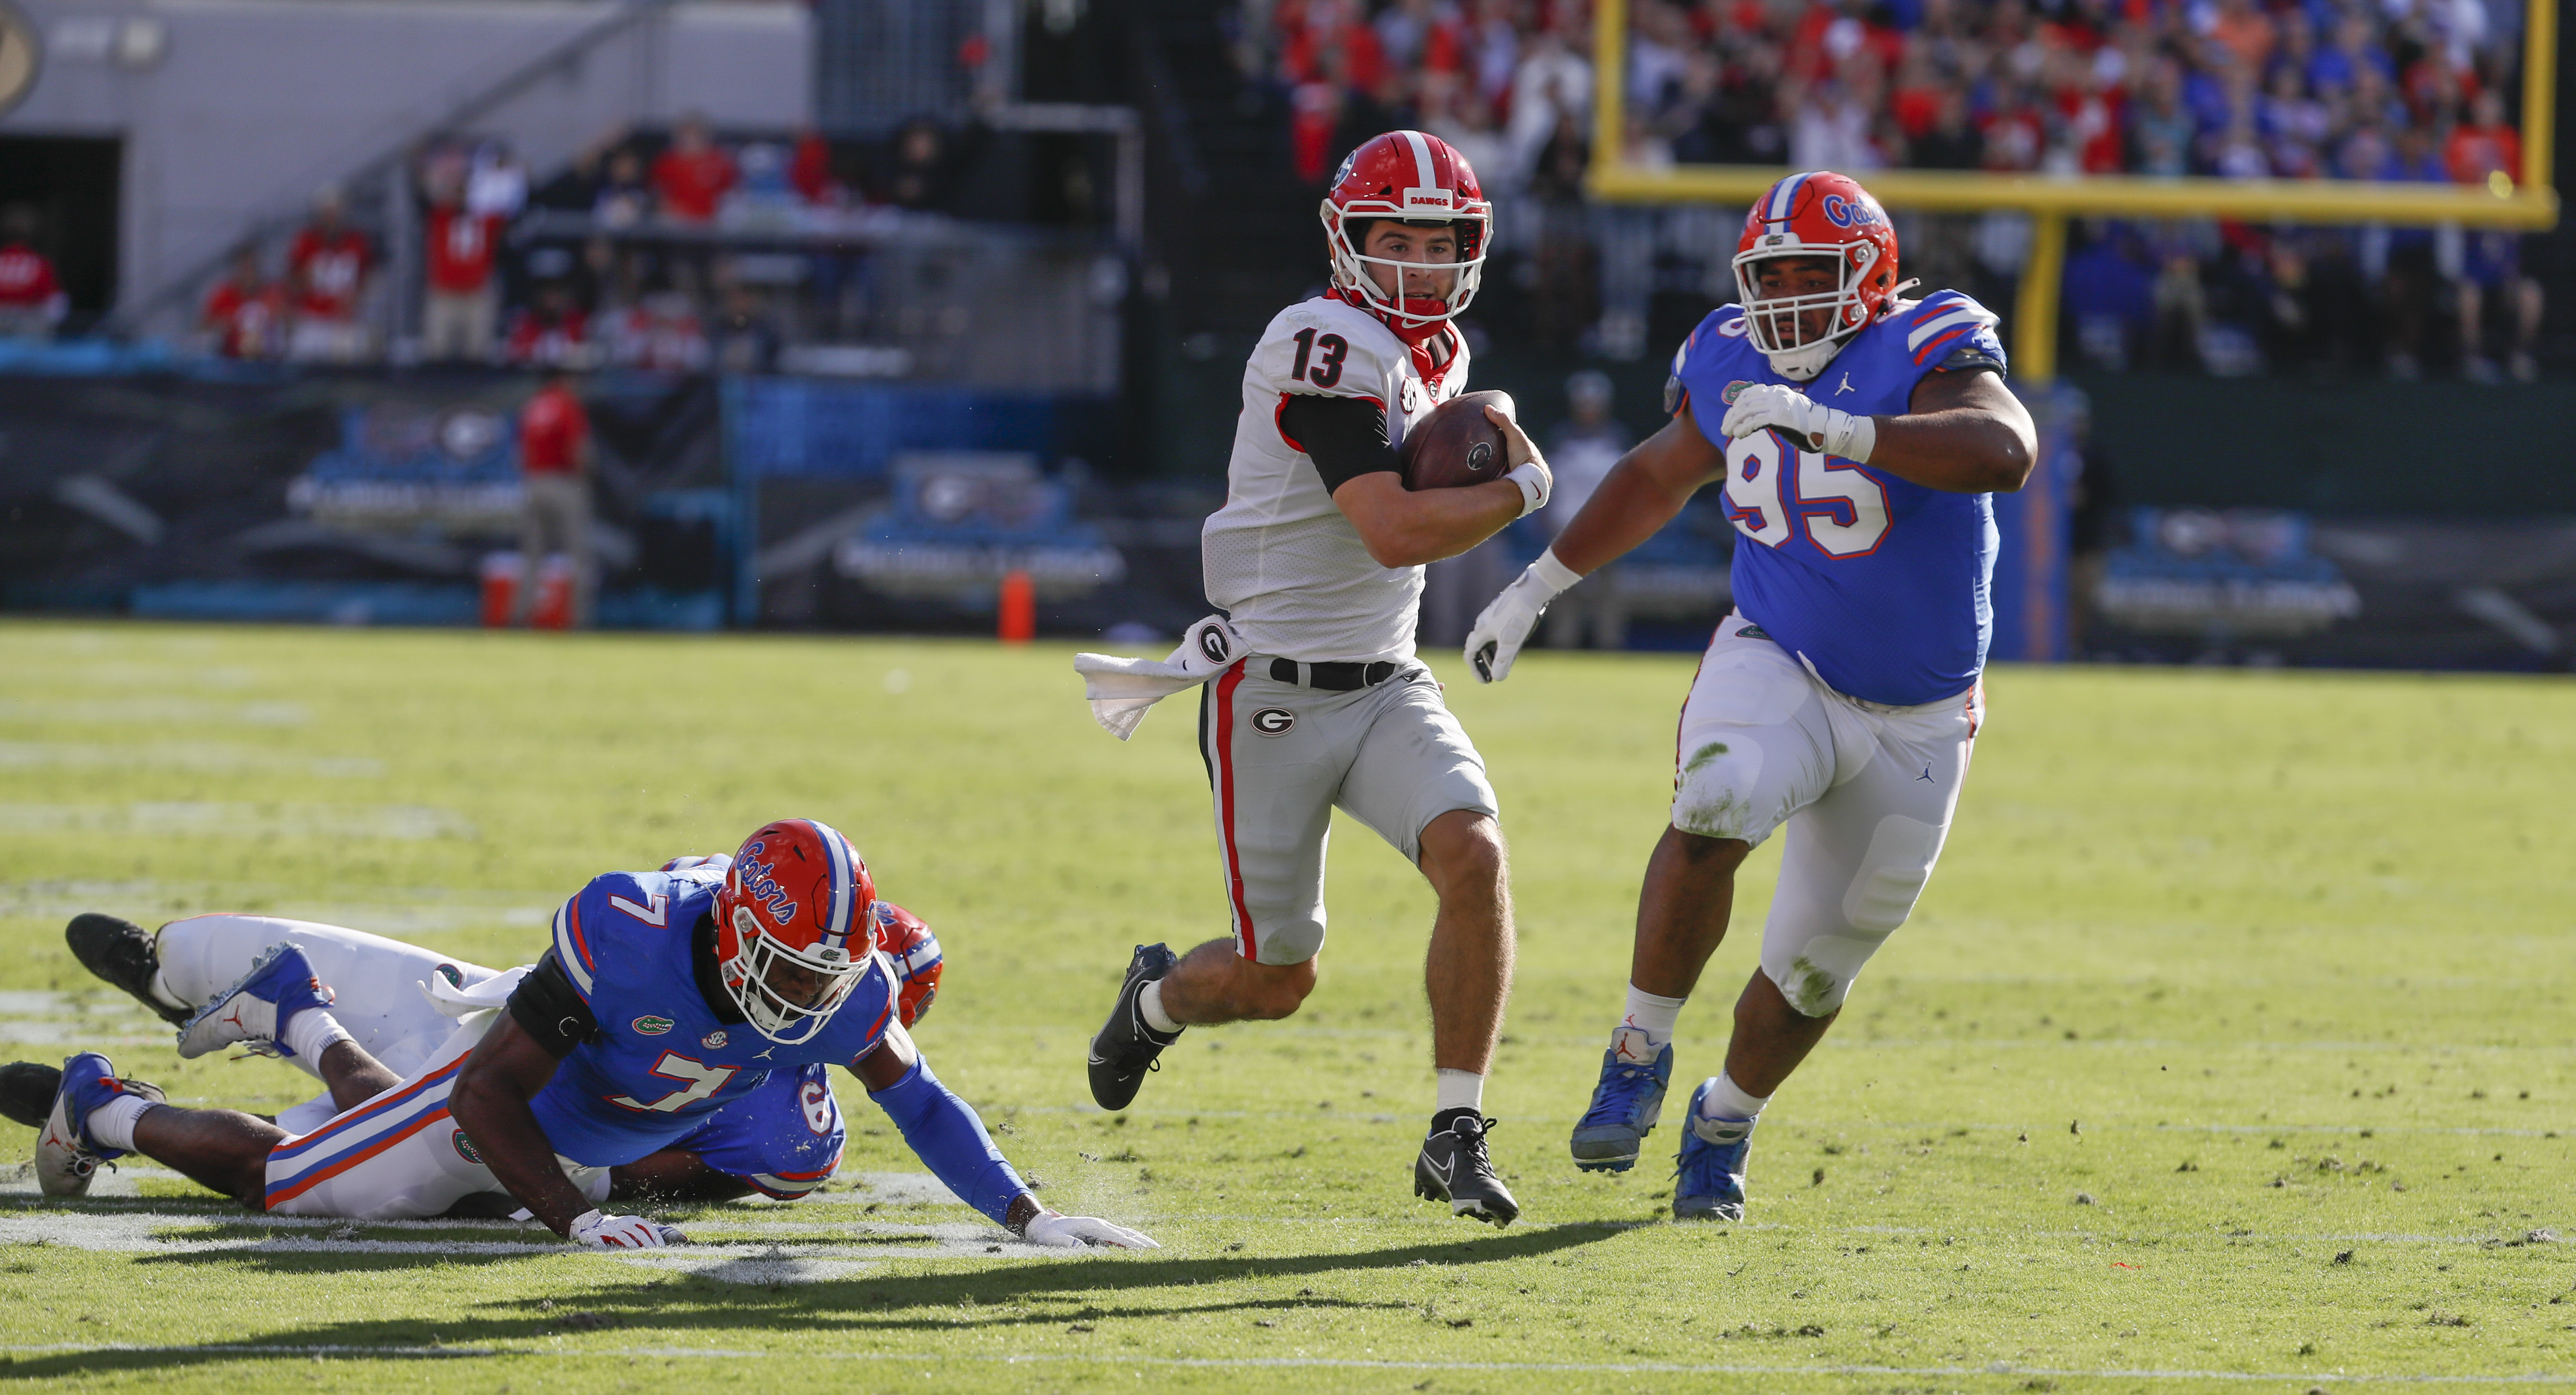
{"points": [[1892, 873], [1718, 790]]}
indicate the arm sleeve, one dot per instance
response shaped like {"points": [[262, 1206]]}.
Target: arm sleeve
{"points": [[1344, 436], [548, 1008], [945, 1133]]}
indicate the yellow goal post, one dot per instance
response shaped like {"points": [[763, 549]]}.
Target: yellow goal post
{"points": [[2530, 204]]}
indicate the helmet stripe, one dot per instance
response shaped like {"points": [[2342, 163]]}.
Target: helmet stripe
{"points": [[1421, 160], [836, 918], [1784, 198]]}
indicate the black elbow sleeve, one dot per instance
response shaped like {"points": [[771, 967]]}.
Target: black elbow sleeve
{"points": [[1344, 436], [548, 1008]]}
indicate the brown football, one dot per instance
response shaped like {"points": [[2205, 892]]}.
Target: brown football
{"points": [[1457, 445]]}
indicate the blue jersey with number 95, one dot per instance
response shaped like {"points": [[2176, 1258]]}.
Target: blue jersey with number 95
{"points": [[1880, 583]]}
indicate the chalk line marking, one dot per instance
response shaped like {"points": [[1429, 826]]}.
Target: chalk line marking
{"points": [[1258, 1363]]}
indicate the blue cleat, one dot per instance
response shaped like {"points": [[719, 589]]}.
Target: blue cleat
{"points": [[1625, 1106], [1708, 1173], [255, 1010], [66, 1155]]}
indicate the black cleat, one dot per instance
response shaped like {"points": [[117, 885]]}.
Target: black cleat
{"points": [[1126, 1047], [27, 1090], [1454, 1168], [121, 952]]}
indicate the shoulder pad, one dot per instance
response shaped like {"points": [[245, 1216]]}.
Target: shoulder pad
{"points": [[1326, 348]]}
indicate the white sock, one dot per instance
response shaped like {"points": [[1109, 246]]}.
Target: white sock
{"points": [[1149, 1005], [1647, 1027], [1460, 1089], [1727, 1100], [310, 1033], [160, 987], [111, 1125]]}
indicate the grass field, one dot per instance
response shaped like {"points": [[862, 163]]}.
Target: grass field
{"points": [[2229, 1049]]}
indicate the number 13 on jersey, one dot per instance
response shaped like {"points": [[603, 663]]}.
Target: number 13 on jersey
{"points": [[1842, 508]]}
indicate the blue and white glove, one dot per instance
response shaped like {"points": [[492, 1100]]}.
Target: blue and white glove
{"points": [[1506, 623], [599, 1232], [1067, 1232], [1771, 407]]}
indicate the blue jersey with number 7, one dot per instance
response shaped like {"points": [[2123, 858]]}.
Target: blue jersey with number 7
{"points": [[1879, 583], [665, 1059]]}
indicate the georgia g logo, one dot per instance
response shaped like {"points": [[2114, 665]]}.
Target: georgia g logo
{"points": [[1212, 645], [1273, 721]]}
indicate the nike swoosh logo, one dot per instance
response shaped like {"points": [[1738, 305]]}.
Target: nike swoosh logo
{"points": [[1098, 1062], [1441, 1170]]}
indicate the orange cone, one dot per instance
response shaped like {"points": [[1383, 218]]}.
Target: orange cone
{"points": [[1019, 608]]}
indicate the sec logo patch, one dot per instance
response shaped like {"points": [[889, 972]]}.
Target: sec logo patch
{"points": [[1273, 721], [713, 1041]]}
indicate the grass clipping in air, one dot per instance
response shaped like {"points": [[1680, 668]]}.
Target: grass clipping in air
{"points": [[2230, 1037]]}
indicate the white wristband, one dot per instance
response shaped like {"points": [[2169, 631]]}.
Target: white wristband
{"points": [[1857, 438], [1553, 574], [1533, 482]]}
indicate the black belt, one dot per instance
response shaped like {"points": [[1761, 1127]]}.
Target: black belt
{"points": [[1337, 678]]}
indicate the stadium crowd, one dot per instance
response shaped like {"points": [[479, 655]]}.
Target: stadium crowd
{"points": [[620, 259], [2404, 90]]}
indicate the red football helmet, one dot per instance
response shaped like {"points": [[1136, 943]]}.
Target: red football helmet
{"points": [[1413, 178], [917, 961], [795, 923], [1817, 214]]}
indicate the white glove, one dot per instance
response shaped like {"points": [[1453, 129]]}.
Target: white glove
{"points": [[1506, 623], [1812, 423], [1068, 1232], [622, 1232]]}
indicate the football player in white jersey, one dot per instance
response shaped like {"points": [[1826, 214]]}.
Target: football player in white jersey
{"points": [[1314, 699]]}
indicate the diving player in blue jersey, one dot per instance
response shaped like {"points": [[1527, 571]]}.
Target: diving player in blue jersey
{"points": [[665, 999], [782, 1140], [1859, 436]]}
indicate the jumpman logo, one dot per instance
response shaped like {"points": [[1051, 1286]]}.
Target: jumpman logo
{"points": [[1926, 775], [1846, 387]]}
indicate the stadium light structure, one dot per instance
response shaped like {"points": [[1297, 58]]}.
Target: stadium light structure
{"points": [[2530, 204]]}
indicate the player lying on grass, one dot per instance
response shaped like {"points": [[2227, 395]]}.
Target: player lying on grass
{"points": [[664, 997], [782, 1138], [1314, 699], [1842, 696]]}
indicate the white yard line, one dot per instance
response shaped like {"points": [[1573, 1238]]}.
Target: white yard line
{"points": [[1260, 1363]]}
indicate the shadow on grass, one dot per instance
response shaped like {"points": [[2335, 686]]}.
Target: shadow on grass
{"points": [[1066, 1291]]}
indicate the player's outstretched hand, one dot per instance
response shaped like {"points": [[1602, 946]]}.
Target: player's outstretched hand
{"points": [[622, 1232], [1505, 624], [1066, 1232], [1815, 426]]}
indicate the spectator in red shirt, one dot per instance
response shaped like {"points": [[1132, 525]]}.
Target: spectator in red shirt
{"points": [[555, 458], [245, 312], [552, 332], [811, 170], [31, 301], [693, 176], [328, 266], [2484, 144], [463, 303]]}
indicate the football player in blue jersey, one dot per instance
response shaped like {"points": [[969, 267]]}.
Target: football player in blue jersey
{"points": [[665, 998], [783, 1139], [1859, 436]]}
